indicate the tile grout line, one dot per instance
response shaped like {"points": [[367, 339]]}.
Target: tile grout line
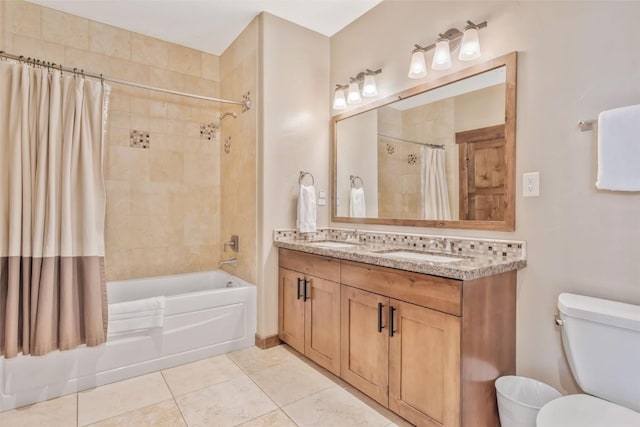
{"points": [[263, 391], [173, 396]]}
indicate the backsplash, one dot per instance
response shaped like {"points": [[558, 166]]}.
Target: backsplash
{"points": [[460, 245]]}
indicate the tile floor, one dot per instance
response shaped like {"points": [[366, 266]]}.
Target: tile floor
{"points": [[249, 387]]}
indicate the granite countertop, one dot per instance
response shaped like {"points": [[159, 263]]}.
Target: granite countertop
{"points": [[467, 268]]}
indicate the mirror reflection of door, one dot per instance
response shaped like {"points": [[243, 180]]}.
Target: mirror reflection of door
{"points": [[482, 173]]}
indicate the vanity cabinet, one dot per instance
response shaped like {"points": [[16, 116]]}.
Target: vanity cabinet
{"points": [[429, 348], [309, 315]]}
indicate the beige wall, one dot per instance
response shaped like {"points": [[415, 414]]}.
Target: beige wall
{"points": [[579, 239], [163, 212], [480, 108], [239, 75], [295, 135]]}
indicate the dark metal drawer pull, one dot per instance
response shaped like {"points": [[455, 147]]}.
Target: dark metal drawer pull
{"points": [[392, 311]]}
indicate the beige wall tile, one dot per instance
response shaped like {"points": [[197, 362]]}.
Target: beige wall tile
{"points": [[65, 29], [166, 79], [128, 164], [149, 262], [23, 18], [166, 166], [185, 60], [109, 40], [150, 51], [40, 49], [89, 61], [129, 70]]}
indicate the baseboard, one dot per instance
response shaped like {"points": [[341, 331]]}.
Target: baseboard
{"points": [[267, 342]]}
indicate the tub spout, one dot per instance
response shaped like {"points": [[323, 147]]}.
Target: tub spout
{"points": [[232, 262]]}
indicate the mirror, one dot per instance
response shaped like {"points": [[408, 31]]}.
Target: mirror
{"points": [[438, 155]]}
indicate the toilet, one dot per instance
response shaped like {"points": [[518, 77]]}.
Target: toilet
{"points": [[601, 340]]}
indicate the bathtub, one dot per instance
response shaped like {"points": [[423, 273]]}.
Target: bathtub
{"points": [[206, 314]]}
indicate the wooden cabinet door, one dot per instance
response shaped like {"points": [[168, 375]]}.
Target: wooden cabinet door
{"points": [[365, 349], [322, 323], [424, 366], [291, 310]]}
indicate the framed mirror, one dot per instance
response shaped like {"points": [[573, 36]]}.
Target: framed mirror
{"points": [[441, 154]]}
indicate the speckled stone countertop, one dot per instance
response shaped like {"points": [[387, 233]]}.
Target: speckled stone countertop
{"points": [[368, 250]]}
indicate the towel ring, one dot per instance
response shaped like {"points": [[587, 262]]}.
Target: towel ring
{"points": [[353, 181], [303, 174]]}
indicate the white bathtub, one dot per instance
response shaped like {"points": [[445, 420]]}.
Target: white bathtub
{"points": [[206, 314]]}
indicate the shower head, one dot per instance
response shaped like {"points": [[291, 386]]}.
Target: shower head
{"points": [[218, 120]]}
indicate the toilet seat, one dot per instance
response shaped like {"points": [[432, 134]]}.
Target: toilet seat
{"points": [[583, 410]]}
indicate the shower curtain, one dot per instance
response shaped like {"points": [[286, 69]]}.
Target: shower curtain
{"points": [[435, 193], [52, 209]]}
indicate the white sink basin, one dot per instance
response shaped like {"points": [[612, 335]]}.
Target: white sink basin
{"points": [[329, 244], [419, 256]]}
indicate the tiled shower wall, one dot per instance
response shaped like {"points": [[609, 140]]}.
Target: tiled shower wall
{"points": [[238, 203], [163, 210]]}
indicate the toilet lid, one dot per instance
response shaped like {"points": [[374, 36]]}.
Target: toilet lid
{"points": [[583, 410]]}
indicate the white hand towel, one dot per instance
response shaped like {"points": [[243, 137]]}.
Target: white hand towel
{"points": [[307, 209], [136, 315], [619, 149], [357, 206]]}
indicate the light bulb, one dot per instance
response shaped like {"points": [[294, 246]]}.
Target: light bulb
{"points": [[339, 102], [470, 46], [353, 97], [418, 68], [369, 88], [442, 55]]}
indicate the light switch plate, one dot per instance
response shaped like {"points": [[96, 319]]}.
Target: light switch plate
{"points": [[322, 194], [322, 202], [531, 184]]}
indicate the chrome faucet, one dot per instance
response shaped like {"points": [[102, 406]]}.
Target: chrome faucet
{"points": [[232, 262]]}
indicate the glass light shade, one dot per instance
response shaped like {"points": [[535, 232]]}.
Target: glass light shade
{"points": [[442, 55], [418, 67], [353, 97], [369, 88], [339, 101], [470, 46]]}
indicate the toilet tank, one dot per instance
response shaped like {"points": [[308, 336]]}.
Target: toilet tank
{"points": [[601, 339]]}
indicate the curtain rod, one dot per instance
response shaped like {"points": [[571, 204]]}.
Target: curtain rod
{"points": [[245, 103], [412, 142]]}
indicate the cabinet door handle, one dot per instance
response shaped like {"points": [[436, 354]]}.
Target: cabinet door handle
{"points": [[380, 307], [299, 284], [392, 311], [306, 295]]}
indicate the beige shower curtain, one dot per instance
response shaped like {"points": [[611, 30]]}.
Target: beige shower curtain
{"points": [[435, 192], [52, 208]]}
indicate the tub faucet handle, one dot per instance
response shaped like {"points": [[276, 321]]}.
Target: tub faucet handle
{"points": [[233, 243]]}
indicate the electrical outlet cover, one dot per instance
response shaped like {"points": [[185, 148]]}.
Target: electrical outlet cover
{"points": [[531, 184]]}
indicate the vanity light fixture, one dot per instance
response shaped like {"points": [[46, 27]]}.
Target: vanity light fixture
{"points": [[354, 94], [353, 97], [339, 101], [467, 40]]}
